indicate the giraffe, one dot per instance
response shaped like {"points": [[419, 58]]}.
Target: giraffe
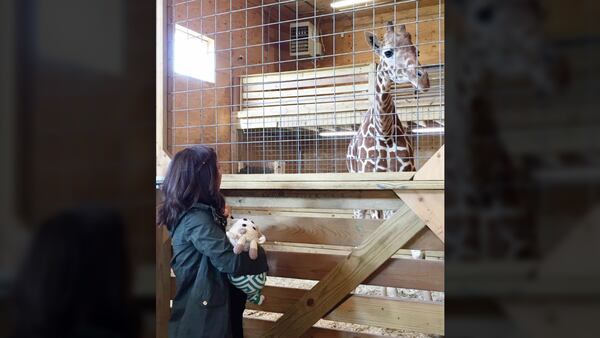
{"points": [[381, 143]]}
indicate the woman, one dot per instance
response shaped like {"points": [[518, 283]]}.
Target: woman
{"points": [[194, 211]]}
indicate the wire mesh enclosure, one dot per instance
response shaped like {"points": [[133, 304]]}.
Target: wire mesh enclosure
{"points": [[283, 86]]}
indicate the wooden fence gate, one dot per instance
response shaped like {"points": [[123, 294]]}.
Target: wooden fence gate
{"points": [[308, 222]]}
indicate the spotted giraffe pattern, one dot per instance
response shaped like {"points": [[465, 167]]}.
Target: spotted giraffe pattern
{"points": [[381, 143]]}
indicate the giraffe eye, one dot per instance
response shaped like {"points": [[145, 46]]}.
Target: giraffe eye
{"points": [[388, 53], [419, 73]]}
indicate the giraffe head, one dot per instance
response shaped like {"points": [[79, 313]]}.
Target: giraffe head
{"points": [[398, 56]]}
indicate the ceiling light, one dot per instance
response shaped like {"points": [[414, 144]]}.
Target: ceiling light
{"points": [[348, 3], [336, 133], [431, 130]]}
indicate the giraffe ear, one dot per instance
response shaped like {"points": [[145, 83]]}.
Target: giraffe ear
{"points": [[402, 28], [373, 42], [390, 26]]}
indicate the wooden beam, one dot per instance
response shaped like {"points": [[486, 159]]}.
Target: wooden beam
{"points": [[396, 272], [348, 274], [164, 283], [341, 118], [321, 95], [333, 185], [314, 73], [294, 93], [256, 327], [341, 250], [433, 169], [429, 205], [337, 177], [293, 212], [326, 81], [340, 231], [393, 313], [162, 154], [315, 199]]}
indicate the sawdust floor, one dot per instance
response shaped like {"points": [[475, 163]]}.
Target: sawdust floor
{"points": [[361, 290]]}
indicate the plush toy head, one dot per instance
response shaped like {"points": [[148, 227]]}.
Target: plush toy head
{"points": [[245, 227]]}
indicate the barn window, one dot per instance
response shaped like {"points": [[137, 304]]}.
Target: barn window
{"points": [[194, 54]]}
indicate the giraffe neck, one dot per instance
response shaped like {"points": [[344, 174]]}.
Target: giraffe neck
{"points": [[384, 110]]}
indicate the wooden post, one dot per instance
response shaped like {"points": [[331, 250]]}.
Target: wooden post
{"points": [[163, 282], [162, 154], [429, 205], [348, 274]]}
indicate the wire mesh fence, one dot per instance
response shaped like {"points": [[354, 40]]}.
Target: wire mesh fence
{"points": [[283, 86]]}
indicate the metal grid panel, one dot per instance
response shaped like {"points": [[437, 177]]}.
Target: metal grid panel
{"points": [[288, 132]]}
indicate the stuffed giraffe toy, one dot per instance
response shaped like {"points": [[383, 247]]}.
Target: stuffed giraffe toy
{"points": [[381, 143]]}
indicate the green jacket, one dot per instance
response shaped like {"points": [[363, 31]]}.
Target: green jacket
{"points": [[202, 258]]}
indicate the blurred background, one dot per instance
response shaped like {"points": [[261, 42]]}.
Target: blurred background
{"points": [[522, 168], [77, 132]]}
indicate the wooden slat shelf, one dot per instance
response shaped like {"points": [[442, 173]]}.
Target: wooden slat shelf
{"points": [[328, 97]]}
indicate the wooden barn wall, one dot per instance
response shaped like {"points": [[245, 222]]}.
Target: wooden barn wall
{"points": [[199, 112], [203, 113], [343, 34]]}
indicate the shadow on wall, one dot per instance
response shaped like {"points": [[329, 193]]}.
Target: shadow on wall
{"points": [[75, 279]]}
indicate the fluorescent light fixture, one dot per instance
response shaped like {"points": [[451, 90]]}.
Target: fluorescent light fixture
{"points": [[348, 3], [336, 133], [430, 130]]}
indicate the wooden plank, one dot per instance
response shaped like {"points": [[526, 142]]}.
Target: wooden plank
{"points": [[348, 274], [341, 250], [279, 94], [304, 109], [329, 185], [293, 212], [393, 313], [350, 232], [164, 283], [337, 119], [382, 176], [433, 169], [256, 328], [317, 199], [327, 81], [315, 73], [162, 154], [407, 101], [429, 205], [396, 272], [312, 99]]}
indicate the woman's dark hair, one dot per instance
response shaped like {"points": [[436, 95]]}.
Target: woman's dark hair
{"points": [[192, 177]]}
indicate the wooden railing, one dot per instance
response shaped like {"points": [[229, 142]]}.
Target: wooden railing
{"points": [[308, 222]]}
